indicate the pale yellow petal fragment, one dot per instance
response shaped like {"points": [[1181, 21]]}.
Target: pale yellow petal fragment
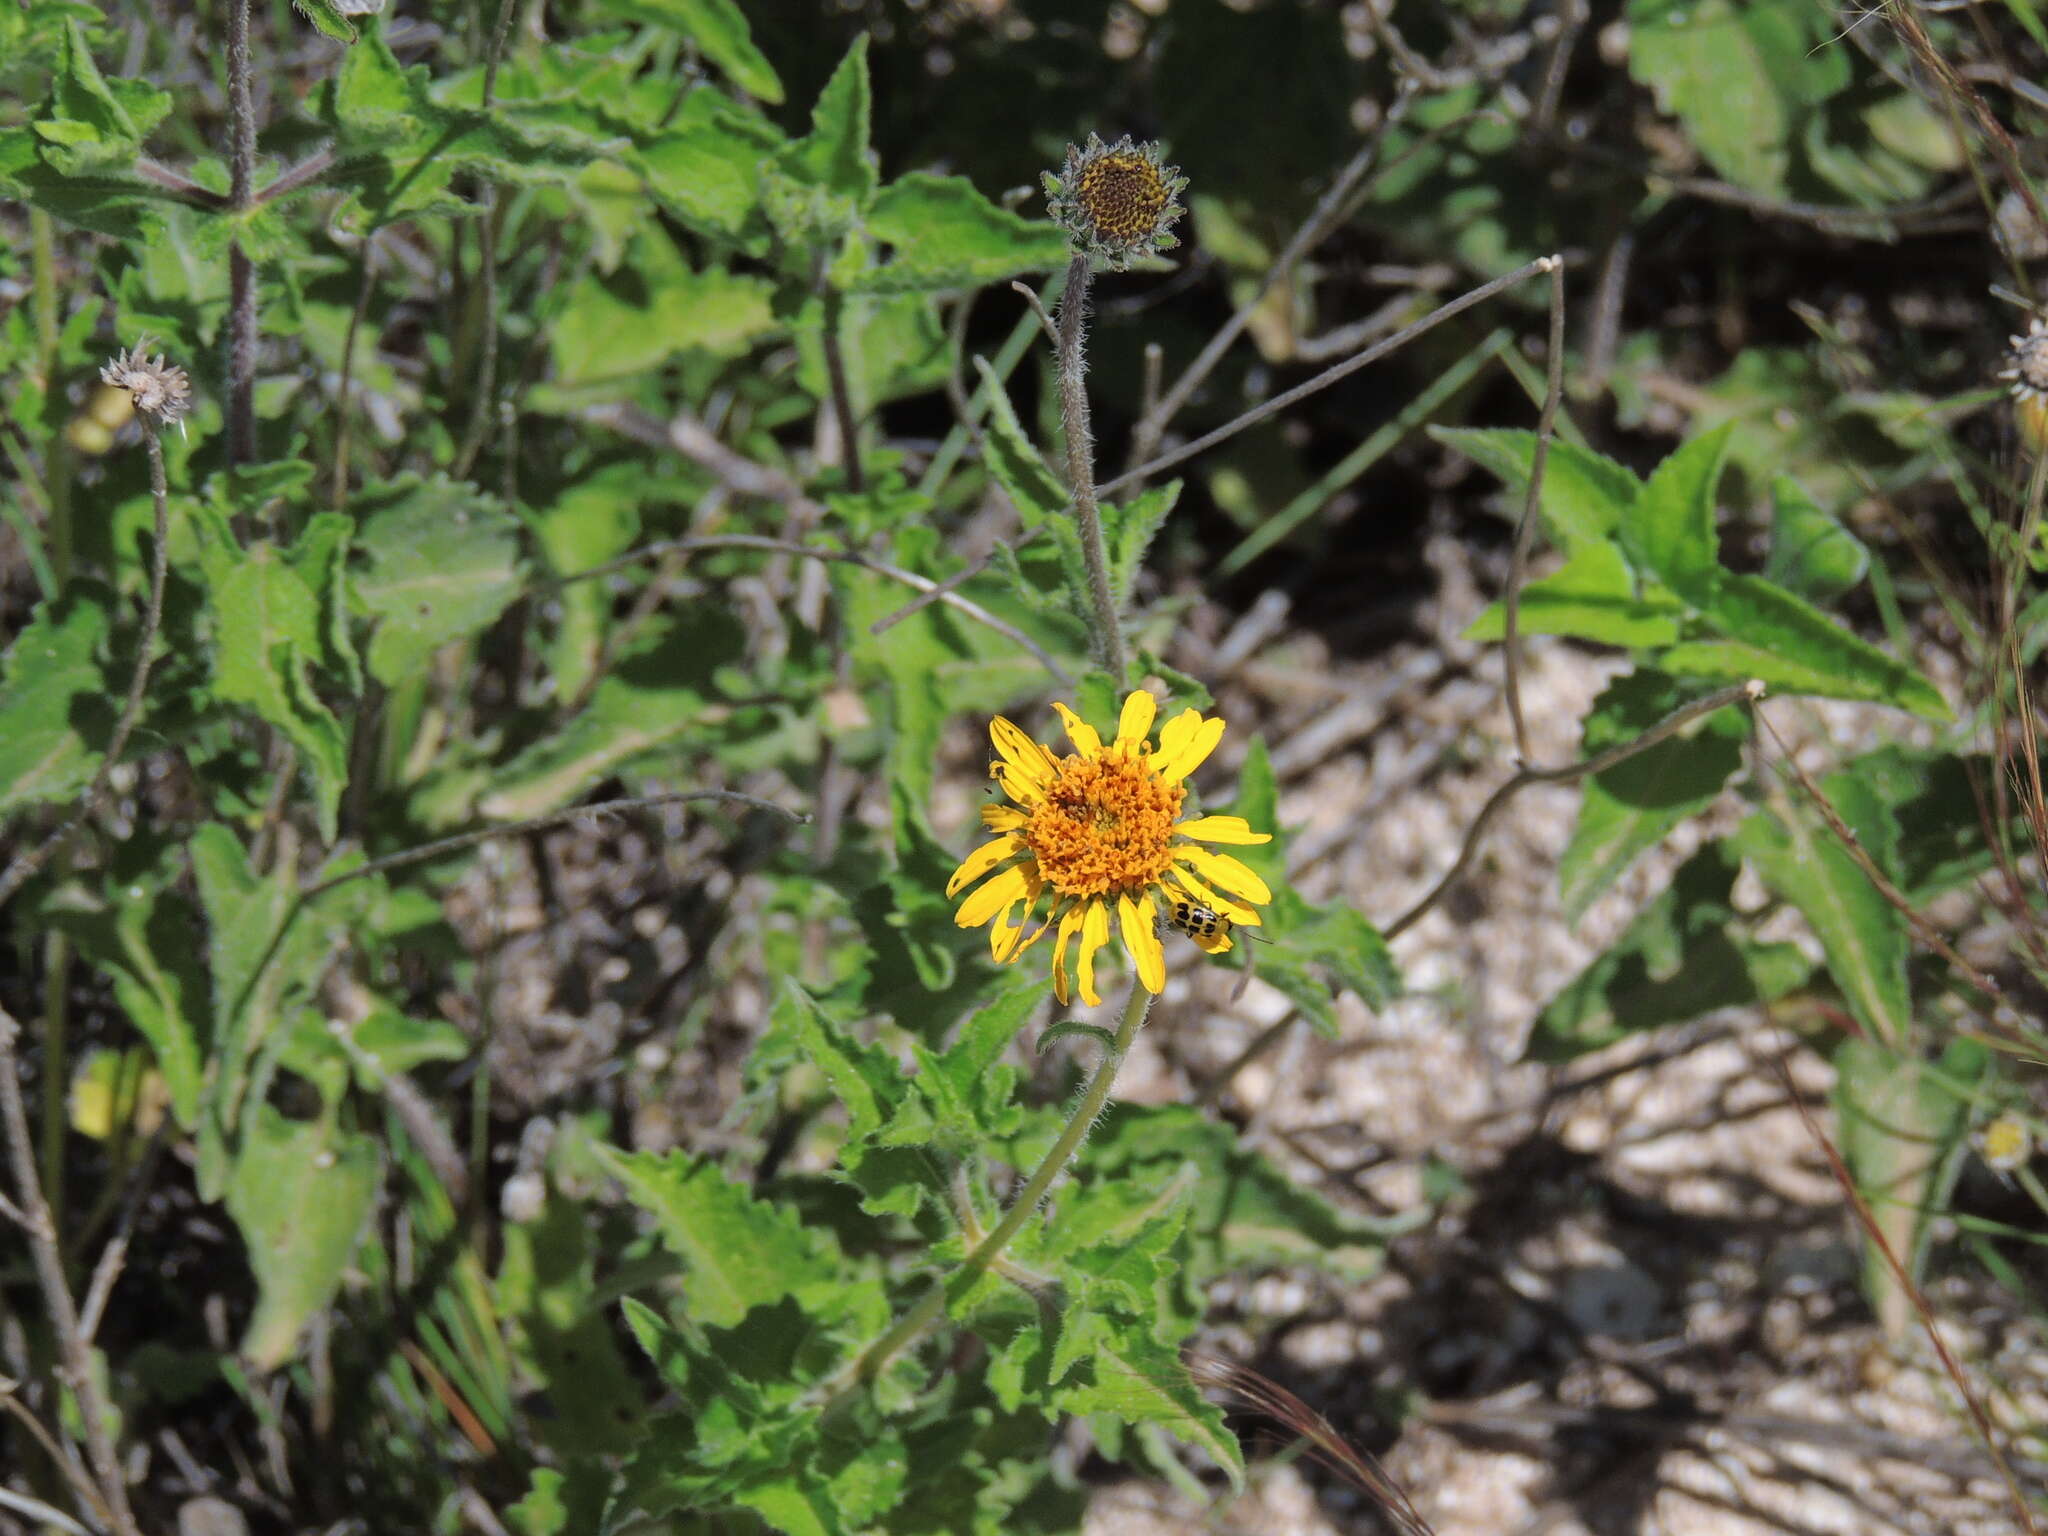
{"points": [[1220, 869], [987, 900], [1094, 934], [1003, 934], [1135, 724], [1222, 829], [1195, 753], [1079, 732], [982, 860], [1174, 736], [1070, 924], [1141, 938]]}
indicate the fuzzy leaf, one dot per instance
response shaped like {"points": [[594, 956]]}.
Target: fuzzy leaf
{"points": [[1811, 554], [54, 709], [1628, 809], [947, 236], [1864, 936], [1592, 596], [1585, 495], [437, 562], [719, 29], [738, 1253], [301, 1192], [1683, 956]]}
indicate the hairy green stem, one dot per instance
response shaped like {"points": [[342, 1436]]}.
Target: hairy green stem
{"points": [[241, 437], [929, 1307], [1073, 369], [480, 404]]}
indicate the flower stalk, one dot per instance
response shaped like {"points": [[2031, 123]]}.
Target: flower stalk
{"points": [[1073, 367], [913, 1324]]}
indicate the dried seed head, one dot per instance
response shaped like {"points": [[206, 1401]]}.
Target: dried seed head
{"points": [[2026, 362], [1116, 201], [160, 390]]}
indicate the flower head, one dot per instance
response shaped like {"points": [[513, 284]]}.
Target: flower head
{"points": [[2026, 367], [2005, 1143], [2026, 370], [1098, 832], [160, 390], [1116, 200]]}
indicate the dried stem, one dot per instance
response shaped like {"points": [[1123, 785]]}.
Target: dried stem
{"points": [[1599, 762], [842, 396], [76, 1371], [1518, 566], [1073, 369], [447, 845], [241, 437], [25, 865], [480, 403]]}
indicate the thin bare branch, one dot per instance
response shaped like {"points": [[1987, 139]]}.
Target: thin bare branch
{"points": [[1599, 762], [75, 1353]]}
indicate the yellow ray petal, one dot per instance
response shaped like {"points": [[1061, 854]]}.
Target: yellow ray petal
{"points": [[1196, 891], [1222, 870], [1135, 724], [1079, 732], [1002, 818], [1019, 786], [1040, 931], [1200, 744], [982, 860], [1141, 938], [1031, 760], [1070, 924], [1215, 943], [1174, 736], [1222, 829], [1094, 934], [1003, 934], [989, 899]]}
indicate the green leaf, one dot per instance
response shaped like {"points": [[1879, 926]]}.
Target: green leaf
{"points": [[1128, 531], [1791, 645], [1864, 936], [300, 1192], [267, 634], [822, 183], [1740, 75], [658, 696], [1243, 1212], [245, 915], [706, 168], [948, 236], [327, 17], [1670, 528], [547, 1287], [1811, 554], [1592, 596], [864, 1078], [1139, 1381], [1901, 1124], [614, 328], [1010, 456], [438, 562], [1684, 955], [92, 124], [719, 29], [1586, 496], [139, 932], [738, 1253], [55, 709], [1629, 808], [321, 558]]}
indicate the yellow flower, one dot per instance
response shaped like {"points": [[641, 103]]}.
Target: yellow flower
{"points": [[1097, 831]]}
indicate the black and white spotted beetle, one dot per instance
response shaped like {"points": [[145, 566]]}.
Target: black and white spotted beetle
{"points": [[1198, 921]]}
